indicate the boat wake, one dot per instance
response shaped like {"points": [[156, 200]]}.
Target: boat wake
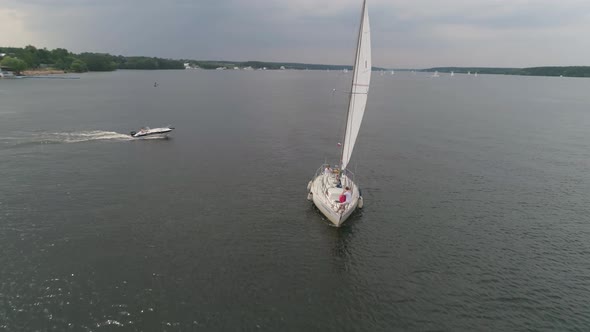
{"points": [[80, 136], [24, 138]]}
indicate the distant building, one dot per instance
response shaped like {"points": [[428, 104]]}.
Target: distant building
{"points": [[6, 72], [187, 65]]}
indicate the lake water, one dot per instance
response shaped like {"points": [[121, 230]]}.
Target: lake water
{"points": [[476, 213]]}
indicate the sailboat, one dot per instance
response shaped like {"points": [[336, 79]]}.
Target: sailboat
{"points": [[452, 73], [332, 189]]}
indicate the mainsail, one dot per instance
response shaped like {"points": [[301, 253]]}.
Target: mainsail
{"points": [[361, 78]]}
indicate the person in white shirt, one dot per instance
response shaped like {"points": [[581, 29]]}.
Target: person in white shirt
{"points": [[348, 195]]}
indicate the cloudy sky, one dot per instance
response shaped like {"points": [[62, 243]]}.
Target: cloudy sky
{"points": [[405, 33]]}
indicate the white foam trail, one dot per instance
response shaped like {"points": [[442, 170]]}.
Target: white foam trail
{"points": [[82, 136], [68, 137]]}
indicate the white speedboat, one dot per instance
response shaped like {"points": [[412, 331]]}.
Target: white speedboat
{"points": [[333, 189], [152, 132]]}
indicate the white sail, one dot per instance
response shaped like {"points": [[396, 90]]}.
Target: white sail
{"points": [[361, 78]]}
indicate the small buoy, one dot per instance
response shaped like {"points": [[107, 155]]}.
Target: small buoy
{"points": [[310, 196], [309, 186], [360, 203]]}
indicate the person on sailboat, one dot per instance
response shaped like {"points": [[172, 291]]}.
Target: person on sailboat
{"points": [[338, 182], [347, 199], [327, 170]]}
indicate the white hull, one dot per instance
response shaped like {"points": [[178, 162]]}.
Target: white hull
{"points": [[162, 135], [152, 133], [325, 196]]}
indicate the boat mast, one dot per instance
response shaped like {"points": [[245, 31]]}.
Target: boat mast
{"points": [[354, 77]]}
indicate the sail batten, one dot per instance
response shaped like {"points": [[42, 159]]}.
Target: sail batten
{"points": [[359, 89]]}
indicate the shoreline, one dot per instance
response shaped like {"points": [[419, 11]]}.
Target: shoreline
{"points": [[42, 72]]}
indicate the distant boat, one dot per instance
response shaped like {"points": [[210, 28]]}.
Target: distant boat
{"points": [[435, 74], [468, 73], [155, 132], [392, 72], [452, 74], [345, 70], [7, 74], [475, 74], [326, 188]]}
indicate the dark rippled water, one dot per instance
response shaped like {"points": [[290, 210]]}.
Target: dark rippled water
{"points": [[476, 204]]}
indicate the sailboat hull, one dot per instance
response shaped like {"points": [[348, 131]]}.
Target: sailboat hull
{"points": [[325, 195]]}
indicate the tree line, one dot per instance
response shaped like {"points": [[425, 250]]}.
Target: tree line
{"points": [[30, 57], [565, 71]]}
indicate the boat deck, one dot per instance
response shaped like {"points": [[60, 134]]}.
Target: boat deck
{"points": [[326, 193]]}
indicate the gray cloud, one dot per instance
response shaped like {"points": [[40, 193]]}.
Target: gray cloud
{"points": [[420, 33]]}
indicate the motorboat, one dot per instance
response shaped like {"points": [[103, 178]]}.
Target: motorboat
{"points": [[152, 132]]}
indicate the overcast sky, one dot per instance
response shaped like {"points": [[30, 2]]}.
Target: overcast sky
{"points": [[405, 33]]}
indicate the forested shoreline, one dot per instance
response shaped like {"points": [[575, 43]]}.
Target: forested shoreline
{"points": [[565, 71], [32, 58]]}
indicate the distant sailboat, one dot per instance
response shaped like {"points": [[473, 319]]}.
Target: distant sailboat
{"points": [[435, 74], [392, 72], [452, 73], [475, 74], [326, 188]]}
